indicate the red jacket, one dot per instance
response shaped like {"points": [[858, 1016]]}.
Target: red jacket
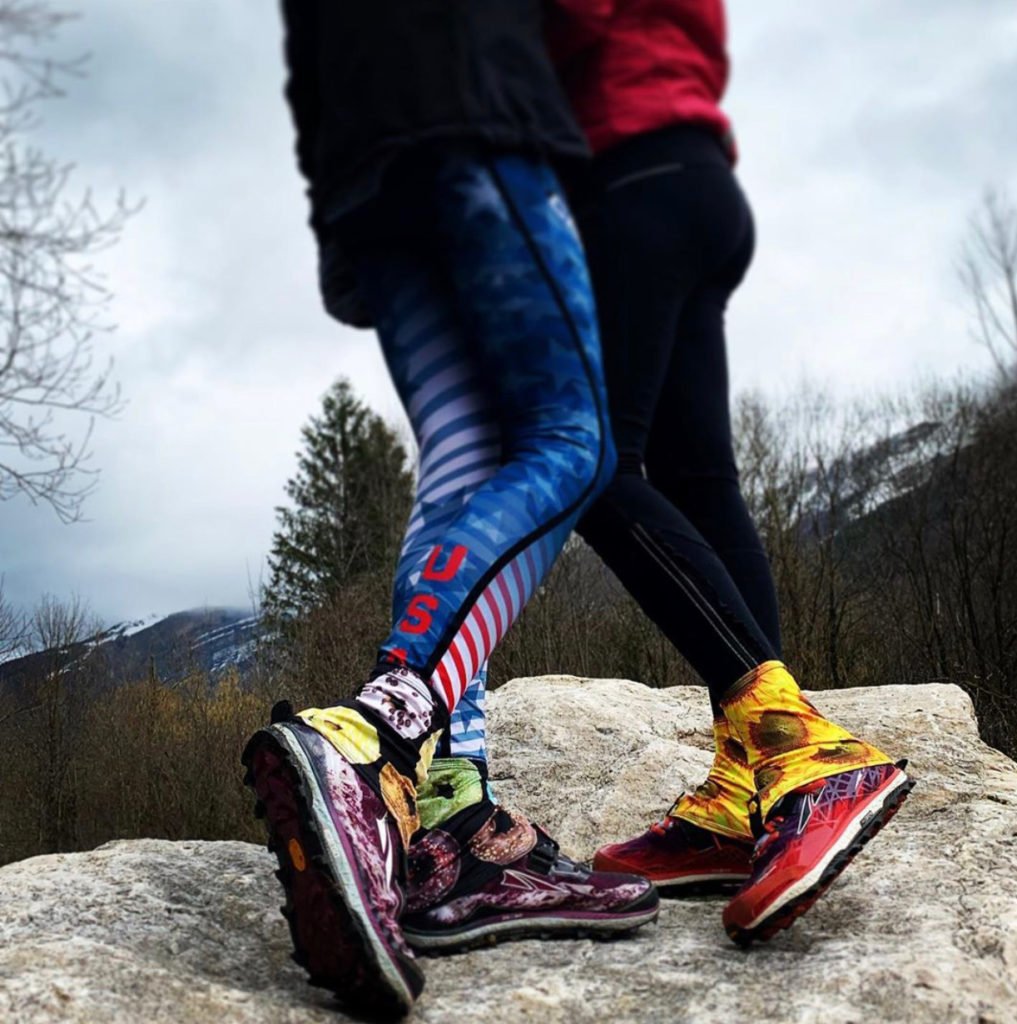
{"points": [[630, 66]]}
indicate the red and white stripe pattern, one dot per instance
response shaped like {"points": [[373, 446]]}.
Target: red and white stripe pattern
{"points": [[488, 620]]}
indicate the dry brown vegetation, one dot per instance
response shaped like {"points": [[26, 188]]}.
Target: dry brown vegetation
{"points": [[894, 553], [145, 759]]}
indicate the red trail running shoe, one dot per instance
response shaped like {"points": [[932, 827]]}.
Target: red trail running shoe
{"points": [[811, 835], [680, 858]]}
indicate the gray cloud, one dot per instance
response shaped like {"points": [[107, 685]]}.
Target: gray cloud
{"points": [[867, 132]]}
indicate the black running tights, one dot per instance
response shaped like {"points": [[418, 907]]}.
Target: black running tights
{"points": [[669, 236]]}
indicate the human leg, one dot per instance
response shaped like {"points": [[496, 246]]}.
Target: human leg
{"points": [[646, 283], [707, 616], [338, 784], [512, 276], [657, 227], [483, 902], [700, 476]]}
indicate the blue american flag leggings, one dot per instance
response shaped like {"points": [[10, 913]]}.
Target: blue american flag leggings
{"points": [[488, 326]]}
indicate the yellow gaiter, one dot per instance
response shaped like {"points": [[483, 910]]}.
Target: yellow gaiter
{"points": [[721, 803], [787, 741]]}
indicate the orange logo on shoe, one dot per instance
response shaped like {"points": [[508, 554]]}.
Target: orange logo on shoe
{"points": [[297, 857]]}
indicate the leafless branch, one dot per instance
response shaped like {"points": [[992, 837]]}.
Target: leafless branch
{"points": [[13, 628], [987, 268], [53, 301]]}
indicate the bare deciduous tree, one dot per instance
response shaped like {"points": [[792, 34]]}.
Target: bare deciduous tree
{"points": [[12, 627], [52, 299], [988, 272], [61, 630]]}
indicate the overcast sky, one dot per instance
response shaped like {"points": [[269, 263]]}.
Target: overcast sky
{"points": [[867, 132]]}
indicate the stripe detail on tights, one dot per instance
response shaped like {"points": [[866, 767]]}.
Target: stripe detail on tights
{"points": [[489, 618], [695, 596]]}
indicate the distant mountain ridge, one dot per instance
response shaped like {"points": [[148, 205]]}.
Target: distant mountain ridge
{"points": [[866, 478], [867, 483], [209, 640]]}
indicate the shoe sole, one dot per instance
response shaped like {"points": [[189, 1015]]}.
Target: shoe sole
{"points": [[800, 897], [705, 883], [510, 928], [698, 885], [334, 935]]}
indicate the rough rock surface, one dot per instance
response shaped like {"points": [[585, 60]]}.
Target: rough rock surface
{"points": [[921, 928]]}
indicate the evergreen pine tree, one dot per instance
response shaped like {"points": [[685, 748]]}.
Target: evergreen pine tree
{"points": [[350, 500]]}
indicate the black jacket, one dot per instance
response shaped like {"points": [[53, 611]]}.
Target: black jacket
{"points": [[369, 79]]}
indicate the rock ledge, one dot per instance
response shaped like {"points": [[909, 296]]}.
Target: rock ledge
{"points": [[921, 928]]}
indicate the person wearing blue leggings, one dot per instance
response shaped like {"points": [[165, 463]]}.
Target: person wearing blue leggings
{"points": [[428, 137]]}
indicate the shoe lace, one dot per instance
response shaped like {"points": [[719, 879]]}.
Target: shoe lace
{"points": [[545, 853], [662, 826], [770, 830]]}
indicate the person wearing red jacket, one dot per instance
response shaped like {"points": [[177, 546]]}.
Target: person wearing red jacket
{"points": [[791, 796], [634, 66]]}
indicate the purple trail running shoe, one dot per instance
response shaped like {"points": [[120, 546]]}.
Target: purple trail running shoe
{"points": [[341, 864], [505, 880]]}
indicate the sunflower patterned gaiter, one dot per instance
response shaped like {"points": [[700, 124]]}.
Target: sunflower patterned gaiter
{"points": [[721, 803], [787, 741]]}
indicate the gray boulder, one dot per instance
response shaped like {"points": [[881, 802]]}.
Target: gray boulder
{"points": [[921, 928]]}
